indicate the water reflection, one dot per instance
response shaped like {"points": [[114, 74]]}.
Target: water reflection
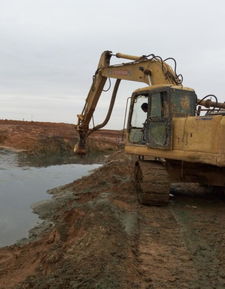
{"points": [[22, 184]]}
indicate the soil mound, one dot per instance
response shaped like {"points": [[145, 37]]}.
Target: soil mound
{"points": [[46, 138]]}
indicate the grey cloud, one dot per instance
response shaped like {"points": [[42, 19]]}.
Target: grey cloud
{"points": [[50, 48]]}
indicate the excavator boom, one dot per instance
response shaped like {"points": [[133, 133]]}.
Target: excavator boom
{"points": [[151, 70]]}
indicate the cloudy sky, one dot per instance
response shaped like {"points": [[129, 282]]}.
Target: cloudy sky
{"points": [[49, 50]]}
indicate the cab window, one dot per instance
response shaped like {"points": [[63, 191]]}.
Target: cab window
{"points": [[156, 105], [139, 114]]}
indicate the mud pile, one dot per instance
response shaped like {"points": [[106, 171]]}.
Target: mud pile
{"points": [[45, 138]]}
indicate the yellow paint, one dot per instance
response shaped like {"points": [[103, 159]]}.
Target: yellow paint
{"points": [[194, 139]]}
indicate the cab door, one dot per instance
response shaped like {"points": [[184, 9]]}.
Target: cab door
{"points": [[158, 126]]}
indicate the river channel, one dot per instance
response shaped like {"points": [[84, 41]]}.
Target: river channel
{"points": [[22, 184]]}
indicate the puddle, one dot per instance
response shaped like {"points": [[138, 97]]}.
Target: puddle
{"points": [[22, 184]]}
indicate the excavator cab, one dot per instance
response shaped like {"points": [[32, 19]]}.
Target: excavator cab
{"points": [[153, 126]]}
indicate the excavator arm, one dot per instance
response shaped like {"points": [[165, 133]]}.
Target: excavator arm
{"points": [[151, 70]]}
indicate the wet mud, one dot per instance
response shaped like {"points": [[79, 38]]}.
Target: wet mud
{"points": [[96, 235]]}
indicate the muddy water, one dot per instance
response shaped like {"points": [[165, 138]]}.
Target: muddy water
{"points": [[21, 185]]}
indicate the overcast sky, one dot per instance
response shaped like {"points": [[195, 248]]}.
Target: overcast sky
{"points": [[49, 50]]}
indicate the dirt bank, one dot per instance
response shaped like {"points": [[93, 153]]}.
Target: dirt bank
{"points": [[96, 235], [47, 138]]}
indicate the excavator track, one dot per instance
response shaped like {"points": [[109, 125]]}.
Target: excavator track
{"points": [[152, 182]]}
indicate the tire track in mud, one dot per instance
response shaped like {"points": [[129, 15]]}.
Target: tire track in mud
{"points": [[164, 260], [182, 245], [201, 222]]}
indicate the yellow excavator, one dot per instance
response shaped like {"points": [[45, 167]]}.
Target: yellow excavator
{"points": [[175, 136]]}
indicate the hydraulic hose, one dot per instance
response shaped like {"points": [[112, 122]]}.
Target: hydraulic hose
{"points": [[113, 98]]}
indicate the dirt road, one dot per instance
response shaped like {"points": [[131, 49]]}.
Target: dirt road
{"points": [[182, 246], [97, 236]]}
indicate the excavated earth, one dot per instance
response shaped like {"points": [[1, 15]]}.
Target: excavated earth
{"points": [[46, 138], [95, 235]]}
